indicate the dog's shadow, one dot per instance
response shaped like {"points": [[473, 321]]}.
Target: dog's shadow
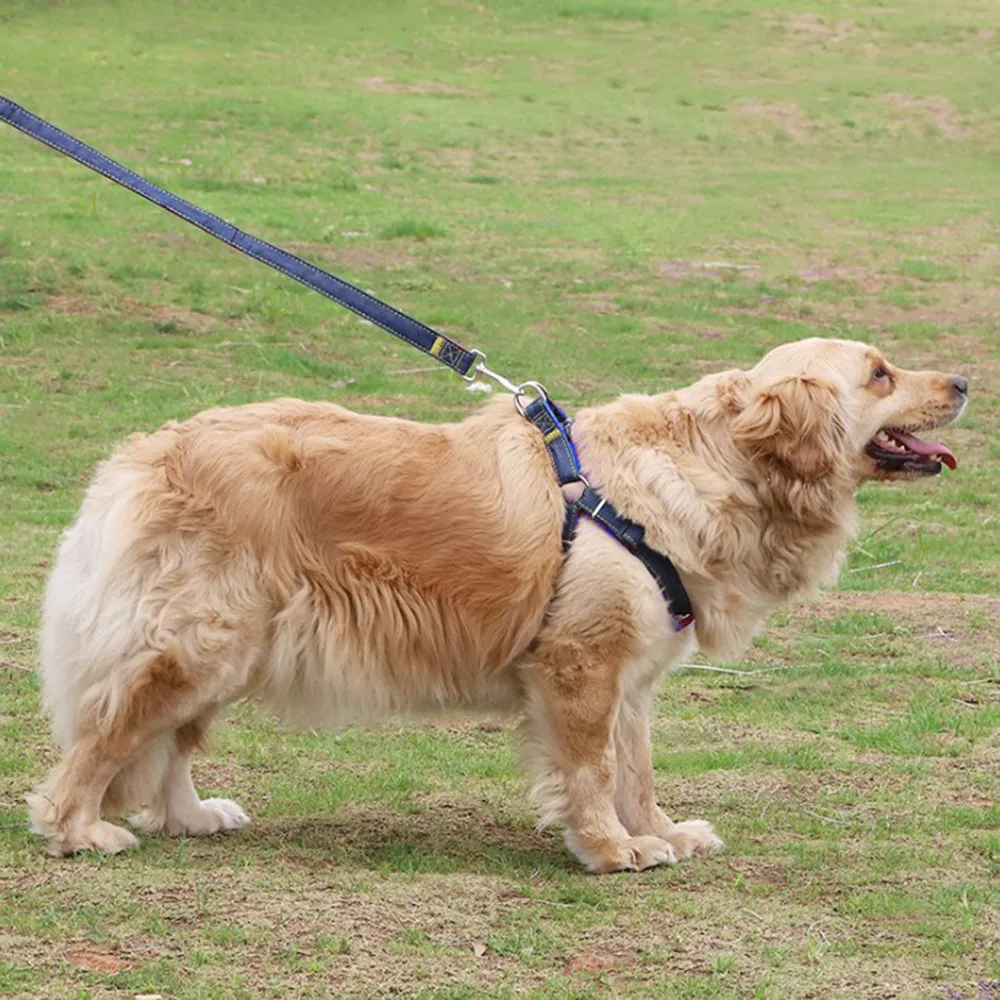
{"points": [[444, 837]]}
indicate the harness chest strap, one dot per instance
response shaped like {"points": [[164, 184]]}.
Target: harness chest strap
{"points": [[554, 426]]}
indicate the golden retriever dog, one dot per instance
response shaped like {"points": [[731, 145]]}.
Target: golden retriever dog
{"points": [[339, 566]]}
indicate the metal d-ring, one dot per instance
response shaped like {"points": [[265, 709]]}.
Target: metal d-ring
{"points": [[538, 390]]}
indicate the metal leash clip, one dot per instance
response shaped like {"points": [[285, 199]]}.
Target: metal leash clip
{"points": [[523, 393]]}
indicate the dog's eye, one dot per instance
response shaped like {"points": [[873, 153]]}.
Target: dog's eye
{"points": [[880, 374]]}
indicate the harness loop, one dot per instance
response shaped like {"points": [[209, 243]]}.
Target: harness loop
{"points": [[538, 391]]}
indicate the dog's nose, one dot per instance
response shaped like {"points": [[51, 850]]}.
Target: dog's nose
{"points": [[960, 385]]}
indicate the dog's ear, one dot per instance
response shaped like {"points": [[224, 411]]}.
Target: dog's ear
{"points": [[796, 423]]}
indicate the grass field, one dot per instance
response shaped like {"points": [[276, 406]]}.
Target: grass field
{"points": [[606, 196]]}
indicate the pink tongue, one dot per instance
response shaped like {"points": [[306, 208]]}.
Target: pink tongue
{"points": [[922, 447]]}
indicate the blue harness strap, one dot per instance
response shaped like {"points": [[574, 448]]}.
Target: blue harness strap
{"points": [[449, 352], [554, 426]]}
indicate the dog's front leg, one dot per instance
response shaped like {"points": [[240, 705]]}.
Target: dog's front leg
{"points": [[635, 794], [572, 697]]}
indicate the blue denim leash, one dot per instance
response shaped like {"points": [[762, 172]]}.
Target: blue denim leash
{"points": [[449, 352]]}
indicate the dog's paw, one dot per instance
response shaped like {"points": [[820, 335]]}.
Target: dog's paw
{"points": [[100, 836], [694, 837], [41, 813], [633, 855], [211, 816], [70, 836], [149, 820]]}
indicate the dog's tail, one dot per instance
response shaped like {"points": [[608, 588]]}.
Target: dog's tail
{"points": [[90, 636]]}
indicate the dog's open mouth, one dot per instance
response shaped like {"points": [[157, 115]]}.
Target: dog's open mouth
{"points": [[897, 451]]}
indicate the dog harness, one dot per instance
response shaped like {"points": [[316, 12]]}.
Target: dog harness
{"points": [[554, 426]]}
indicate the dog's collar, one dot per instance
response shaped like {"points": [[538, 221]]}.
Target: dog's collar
{"points": [[554, 426]]}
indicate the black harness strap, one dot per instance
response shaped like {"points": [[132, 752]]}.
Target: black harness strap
{"points": [[631, 535]]}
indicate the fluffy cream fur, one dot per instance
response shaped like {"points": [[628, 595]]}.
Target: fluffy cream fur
{"points": [[341, 566]]}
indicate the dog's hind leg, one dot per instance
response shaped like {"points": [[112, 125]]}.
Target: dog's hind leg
{"points": [[141, 780], [177, 809], [117, 725]]}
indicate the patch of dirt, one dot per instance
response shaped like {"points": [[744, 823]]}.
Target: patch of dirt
{"points": [[184, 319], [785, 116], [459, 159], [596, 302], [859, 277], [901, 605], [481, 11], [879, 315], [917, 112], [170, 239], [386, 923], [16, 637], [594, 960], [70, 305], [815, 28], [384, 85], [874, 290], [93, 960], [374, 258], [464, 728], [760, 871], [139, 948], [941, 621]]}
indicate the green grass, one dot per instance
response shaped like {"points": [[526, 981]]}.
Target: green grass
{"points": [[412, 229], [607, 196]]}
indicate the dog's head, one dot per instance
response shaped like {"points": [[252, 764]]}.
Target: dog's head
{"points": [[837, 409]]}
